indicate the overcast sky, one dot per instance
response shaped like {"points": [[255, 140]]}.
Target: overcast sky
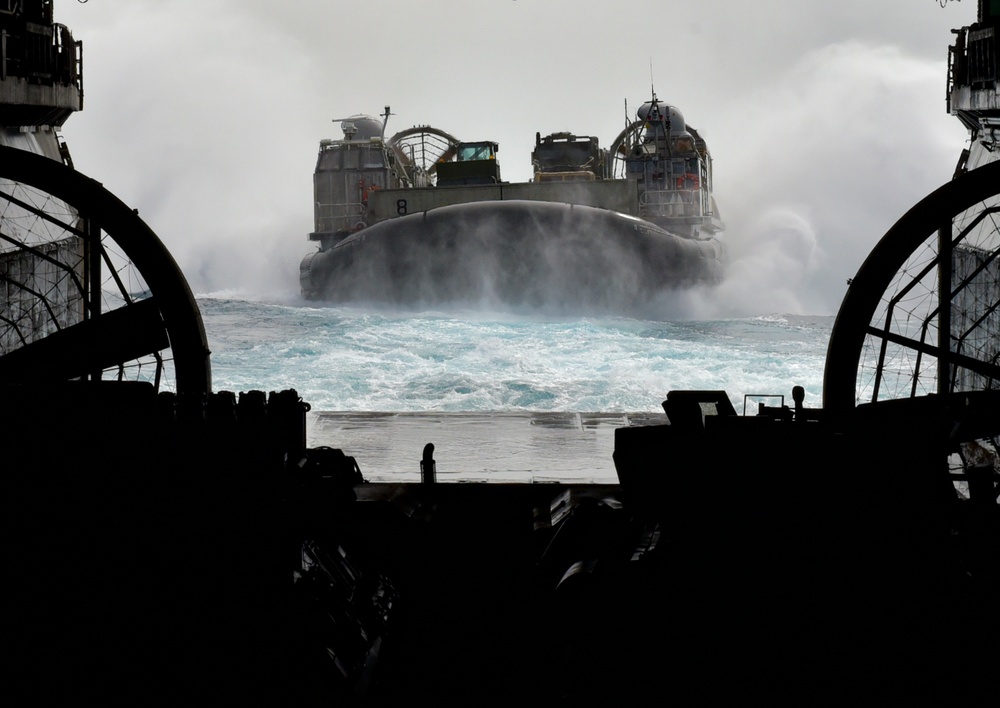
{"points": [[826, 120]]}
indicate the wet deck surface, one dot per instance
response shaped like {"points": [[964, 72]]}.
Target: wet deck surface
{"points": [[495, 447]]}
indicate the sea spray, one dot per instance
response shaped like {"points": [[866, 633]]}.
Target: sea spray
{"points": [[356, 359]]}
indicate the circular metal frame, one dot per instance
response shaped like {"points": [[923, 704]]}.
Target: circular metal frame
{"points": [[629, 136], [868, 305], [422, 147], [170, 304]]}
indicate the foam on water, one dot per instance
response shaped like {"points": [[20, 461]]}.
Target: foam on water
{"points": [[356, 359]]}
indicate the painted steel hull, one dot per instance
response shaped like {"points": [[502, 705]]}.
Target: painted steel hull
{"points": [[518, 253]]}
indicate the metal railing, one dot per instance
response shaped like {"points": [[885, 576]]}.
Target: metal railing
{"points": [[974, 59]]}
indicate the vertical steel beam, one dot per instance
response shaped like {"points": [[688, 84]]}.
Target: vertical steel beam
{"points": [[92, 274], [945, 267]]}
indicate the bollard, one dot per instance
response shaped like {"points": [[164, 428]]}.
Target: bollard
{"points": [[428, 468]]}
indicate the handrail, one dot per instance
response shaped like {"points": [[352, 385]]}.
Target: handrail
{"points": [[42, 54], [974, 58]]}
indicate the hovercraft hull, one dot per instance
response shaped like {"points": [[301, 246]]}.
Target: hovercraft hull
{"points": [[517, 253]]}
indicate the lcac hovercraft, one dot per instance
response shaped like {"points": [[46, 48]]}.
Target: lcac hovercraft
{"points": [[422, 217]]}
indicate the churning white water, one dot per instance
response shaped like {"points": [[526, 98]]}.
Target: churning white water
{"points": [[356, 359]]}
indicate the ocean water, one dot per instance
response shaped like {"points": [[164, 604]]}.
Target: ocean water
{"points": [[361, 359], [504, 397]]}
